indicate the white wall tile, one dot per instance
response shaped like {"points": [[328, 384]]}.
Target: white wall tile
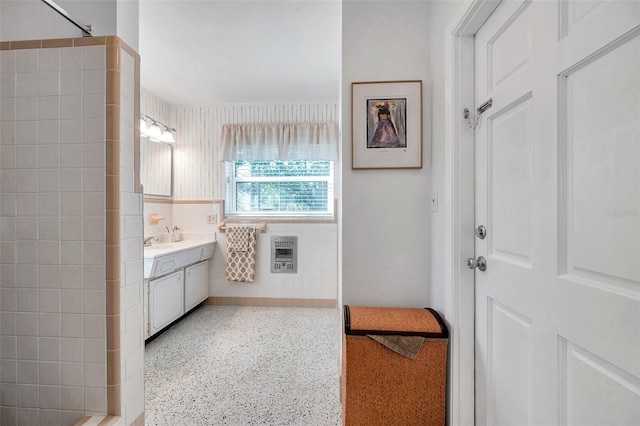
{"points": [[94, 57], [95, 302], [50, 397], [71, 59], [94, 155], [93, 203], [49, 300], [71, 107], [49, 276], [94, 326], [8, 62], [70, 348], [27, 372], [27, 251], [7, 109], [71, 204], [94, 106], [72, 301], [26, 61], [94, 130], [26, 180], [95, 351], [48, 205], [27, 132], [72, 398], [48, 132], [7, 156], [27, 85], [27, 109], [48, 180], [71, 180], [70, 156], [48, 108], [8, 205], [49, 375], [7, 133], [27, 276], [8, 347], [72, 374], [7, 181], [94, 82], [48, 84], [71, 252], [49, 252], [71, 326], [8, 85], [49, 349], [48, 60], [49, 324], [95, 399], [93, 179], [8, 370], [9, 301], [71, 83], [49, 156], [71, 131], [95, 375]]}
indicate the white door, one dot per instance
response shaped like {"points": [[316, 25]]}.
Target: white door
{"points": [[558, 189], [166, 300]]}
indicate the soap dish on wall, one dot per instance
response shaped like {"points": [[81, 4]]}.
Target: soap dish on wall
{"points": [[154, 218]]}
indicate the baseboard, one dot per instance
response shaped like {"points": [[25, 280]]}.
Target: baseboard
{"points": [[272, 301]]}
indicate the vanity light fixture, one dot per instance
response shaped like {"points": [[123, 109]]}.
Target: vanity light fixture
{"points": [[155, 130]]}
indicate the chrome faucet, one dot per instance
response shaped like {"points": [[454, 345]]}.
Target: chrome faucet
{"points": [[147, 241]]}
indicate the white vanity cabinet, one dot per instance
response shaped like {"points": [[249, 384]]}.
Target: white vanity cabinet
{"points": [[166, 296], [176, 280], [196, 284]]}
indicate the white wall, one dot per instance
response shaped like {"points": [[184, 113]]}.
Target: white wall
{"points": [[386, 214], [34, 20]]}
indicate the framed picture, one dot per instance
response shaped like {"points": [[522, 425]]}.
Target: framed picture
{"points": [[386, 125]]}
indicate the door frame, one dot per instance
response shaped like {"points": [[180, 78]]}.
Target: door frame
{"points": [[459, 207]]}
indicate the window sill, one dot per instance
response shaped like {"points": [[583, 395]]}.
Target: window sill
{"points": [[279, 219]]}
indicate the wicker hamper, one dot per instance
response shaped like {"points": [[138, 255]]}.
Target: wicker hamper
{"points": [[382, 387]]}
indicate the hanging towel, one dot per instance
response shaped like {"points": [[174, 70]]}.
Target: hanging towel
{"points": [[241, 253], [408, 346]]}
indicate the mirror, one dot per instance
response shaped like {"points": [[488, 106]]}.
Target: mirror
{"points": [[156, 174]]}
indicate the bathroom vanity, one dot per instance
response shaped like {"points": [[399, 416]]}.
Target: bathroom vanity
{"points": [[176, 279]]}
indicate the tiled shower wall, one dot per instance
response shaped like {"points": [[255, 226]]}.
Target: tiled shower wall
{"points": [[70, 232], [52, 273]]}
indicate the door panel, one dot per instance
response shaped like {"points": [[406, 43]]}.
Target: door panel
{"points": [[602, 96], [558, 187], [594, 391], [509, 343], [509, 149]]}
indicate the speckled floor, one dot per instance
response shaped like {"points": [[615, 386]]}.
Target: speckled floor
{"points": [[232, 365]]}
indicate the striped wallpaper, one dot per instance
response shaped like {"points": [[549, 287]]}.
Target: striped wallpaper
{"points": [[197, 173]]}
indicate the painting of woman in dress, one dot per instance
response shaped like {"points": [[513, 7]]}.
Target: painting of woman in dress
{"points": [[386, 123]]}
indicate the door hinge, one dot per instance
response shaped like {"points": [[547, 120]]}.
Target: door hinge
{"points": [[482, 108]]}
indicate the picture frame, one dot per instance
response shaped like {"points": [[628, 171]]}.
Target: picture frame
{"points": [[386, 124]]}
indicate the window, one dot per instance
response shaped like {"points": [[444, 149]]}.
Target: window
{"points": [[279, 188]]}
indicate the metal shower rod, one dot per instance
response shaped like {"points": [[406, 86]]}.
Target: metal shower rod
{"points": [[87, 31]]}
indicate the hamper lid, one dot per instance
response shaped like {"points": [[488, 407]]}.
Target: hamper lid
{"points": [[363, 320]]}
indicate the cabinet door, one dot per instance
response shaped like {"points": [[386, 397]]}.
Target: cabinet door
{"points": [[166, 300], [196, 284]]}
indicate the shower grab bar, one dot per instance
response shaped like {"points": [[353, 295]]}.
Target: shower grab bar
{"points": [[87, 30], [261, 227]]}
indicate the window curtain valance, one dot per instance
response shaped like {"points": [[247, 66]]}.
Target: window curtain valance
{"points": [[282, 141]]}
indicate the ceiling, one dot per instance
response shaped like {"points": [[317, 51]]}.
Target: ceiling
{"points": [[205, 52]]}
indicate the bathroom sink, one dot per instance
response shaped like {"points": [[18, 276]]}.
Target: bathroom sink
{"points": [[162, 259]]}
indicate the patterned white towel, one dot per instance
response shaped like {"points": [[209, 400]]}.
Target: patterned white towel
{"points": [[241, 253]]}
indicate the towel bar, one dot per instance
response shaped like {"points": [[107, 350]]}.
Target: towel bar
{"points": [[261, 227]]}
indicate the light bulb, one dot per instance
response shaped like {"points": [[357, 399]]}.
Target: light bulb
{"points": [[167, 137], [155, 133], [144, 129]]}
